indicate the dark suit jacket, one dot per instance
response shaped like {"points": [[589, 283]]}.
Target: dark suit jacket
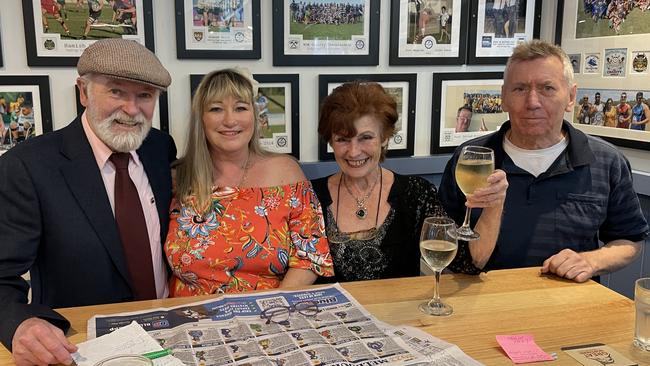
{"points": [[56, 222]]}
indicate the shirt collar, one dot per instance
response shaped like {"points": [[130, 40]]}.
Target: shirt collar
{"points": [[578, 151], [101, 152]]}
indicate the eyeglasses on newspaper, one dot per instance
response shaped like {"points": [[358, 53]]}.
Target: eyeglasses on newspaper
{"points": [[343, 237], [280, 314]]}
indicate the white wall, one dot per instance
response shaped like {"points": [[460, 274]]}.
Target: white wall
{"points": [[62, 79]]}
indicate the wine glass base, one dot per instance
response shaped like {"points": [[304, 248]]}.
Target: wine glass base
{"points": [[436, 308], [466, 235]]}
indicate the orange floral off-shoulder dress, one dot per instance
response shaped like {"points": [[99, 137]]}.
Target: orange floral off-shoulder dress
{"points": [[247, 241]]}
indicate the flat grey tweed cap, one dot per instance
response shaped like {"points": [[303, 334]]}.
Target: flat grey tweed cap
{"points": [[124, 59]]}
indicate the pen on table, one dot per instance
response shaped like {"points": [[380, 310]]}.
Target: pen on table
{"points": [[157, 354]]}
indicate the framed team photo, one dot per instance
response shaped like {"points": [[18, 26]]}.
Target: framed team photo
{"points": [[161, 113], [277, 102], [57, 31], [498, 26], [620, 116], [24, 108], [325, 32], [218, 29], [428, 32], [465, 105], [401, 86]]}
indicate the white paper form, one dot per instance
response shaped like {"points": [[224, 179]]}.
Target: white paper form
{"points": [[128, 340]]}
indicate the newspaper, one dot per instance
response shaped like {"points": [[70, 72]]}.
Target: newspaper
{"points": [[320, 326]]}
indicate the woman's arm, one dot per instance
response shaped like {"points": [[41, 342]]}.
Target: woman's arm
{"points": [[298, 277]]}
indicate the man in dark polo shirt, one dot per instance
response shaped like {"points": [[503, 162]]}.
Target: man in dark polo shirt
{"points": [[568, 192]]}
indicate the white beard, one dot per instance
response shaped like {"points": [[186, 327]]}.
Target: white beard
{"points": [[122, 141]]}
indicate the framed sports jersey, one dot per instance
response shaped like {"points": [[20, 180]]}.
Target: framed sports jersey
{"points": [[57, 31], [428, 32], [278, 107], [497, 26], [24, 108], [613, 96], [160, 117], [402, 87], [325, 33], [218, 29]]}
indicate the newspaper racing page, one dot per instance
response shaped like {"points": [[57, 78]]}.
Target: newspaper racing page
{"points": [[320, 326]]}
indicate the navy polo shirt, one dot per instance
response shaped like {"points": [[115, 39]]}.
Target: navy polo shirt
{"points": [[584, 198]]}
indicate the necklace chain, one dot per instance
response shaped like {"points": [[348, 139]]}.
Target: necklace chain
{"points": [[245, 174], [362, 210]]}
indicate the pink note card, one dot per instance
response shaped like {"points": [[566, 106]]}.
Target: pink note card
{"points": [[521, 348]]}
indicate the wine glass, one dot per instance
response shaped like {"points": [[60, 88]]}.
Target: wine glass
{"points": [[475, 164], [438, 248]]}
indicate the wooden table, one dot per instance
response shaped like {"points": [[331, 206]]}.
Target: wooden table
{"points": [[556, 312]]}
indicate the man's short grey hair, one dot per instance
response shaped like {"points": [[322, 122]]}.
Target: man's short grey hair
{"points": [[537, 48]]}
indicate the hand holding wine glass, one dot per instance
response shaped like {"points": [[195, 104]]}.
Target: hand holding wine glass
{"points": [[474, 166], [438, 248]]}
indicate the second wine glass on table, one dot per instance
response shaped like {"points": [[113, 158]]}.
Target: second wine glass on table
{"points": [[474, 166], [438, 248]]}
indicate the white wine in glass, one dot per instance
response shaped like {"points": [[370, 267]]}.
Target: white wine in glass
{"points": [[474, 166], [438, 248]]}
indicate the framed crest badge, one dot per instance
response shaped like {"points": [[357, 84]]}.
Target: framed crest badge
{"points": [[57, 32], [497, 26], [218, 29], [428, 32], [24, 108], [277, 102], [325, 33], [402, 87]]}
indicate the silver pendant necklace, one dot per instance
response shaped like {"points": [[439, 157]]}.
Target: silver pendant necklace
{"points": [[361, 211]]}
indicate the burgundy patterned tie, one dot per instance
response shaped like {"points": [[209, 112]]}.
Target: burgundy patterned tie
{"points": [[133, 230]]}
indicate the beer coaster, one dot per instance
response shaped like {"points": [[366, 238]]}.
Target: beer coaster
{"points": [[597, 354]]}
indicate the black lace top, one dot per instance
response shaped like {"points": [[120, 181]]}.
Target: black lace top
{"points": [[395, 251]]}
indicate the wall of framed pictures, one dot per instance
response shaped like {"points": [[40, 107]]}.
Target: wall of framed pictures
{"points": [[202, 54]]}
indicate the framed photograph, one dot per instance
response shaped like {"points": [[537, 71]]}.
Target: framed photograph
{"points": [[25, 109], [497, 26], [465, 105], [218, 29], [428, 32], [1, 58], [57, 31], [325, 33], [277, 102], [160, 117], [613, 41], [402, 87], [620, 116]]}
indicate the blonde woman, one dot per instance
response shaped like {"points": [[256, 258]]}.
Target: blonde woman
{"points": [[242, 219]]}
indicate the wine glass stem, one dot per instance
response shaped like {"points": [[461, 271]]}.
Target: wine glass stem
{"points": [[436, 292], [468, 211]]}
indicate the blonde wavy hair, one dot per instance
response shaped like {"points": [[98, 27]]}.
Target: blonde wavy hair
{"points": [[194, 171]]}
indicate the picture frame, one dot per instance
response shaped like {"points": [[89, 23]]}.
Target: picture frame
{"points": [[609, 122], [219, 32], [433, 33], [465, 105], [402, 86], [25, 107], [278, 102], [614, 59], [297, 43], [51, 45], [1, 58], [494, 34], [161, 113]]}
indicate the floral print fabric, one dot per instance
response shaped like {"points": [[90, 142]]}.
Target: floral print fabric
{"points": [[247, 241]]}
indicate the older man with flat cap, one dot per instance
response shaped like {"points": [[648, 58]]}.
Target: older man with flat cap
{"points": [[84, 208]]}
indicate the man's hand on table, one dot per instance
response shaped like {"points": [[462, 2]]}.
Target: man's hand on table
{"points": [[37, 342], [570, 265]]}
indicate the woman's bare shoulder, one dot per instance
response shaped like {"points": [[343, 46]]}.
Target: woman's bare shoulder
{"points": [[279, 169]]}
